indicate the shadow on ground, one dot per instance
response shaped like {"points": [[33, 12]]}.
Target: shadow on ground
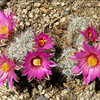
{"points": [[57, 80], [24, 84], [97, 85]]}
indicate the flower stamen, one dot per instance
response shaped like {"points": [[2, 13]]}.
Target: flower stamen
{"points": [[37, 61], [5, 67], [4, 30], [92, 61], [90, 35], [42, 42]]}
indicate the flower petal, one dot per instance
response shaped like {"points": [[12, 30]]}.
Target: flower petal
{"points": [[48, 46], [52, 64], [10, 82], [92, 74], [3, 78], [87, 79], [85, 71]]}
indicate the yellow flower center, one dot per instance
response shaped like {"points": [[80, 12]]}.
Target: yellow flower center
{"points": [[5, 67], [4, 30], [92, 61], [37, 61], [90, 35], [42, 42]]}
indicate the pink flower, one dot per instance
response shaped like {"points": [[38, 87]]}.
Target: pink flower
{"points": [[6, 24], [90, 34], [88, 63], [37, 65], [7, 71], [43, 41]]}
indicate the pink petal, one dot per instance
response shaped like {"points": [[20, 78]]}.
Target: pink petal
{"points": [[30, 74], [11, 16], [47, 77], [79, 67], [97, 70], [82, 32], [3, 78], [87, 80], [25, 73], [78, 55], [47, 71], [8, 13], [1, 83], [4, 57], [39, 74], [92, 74], [45, 64], [86, 46], [85, 71], [97, 46], [14, 76], [13, 25], [48, 46], [45, 55], [34, 74], [10, 82], [1, 73], [52, 64], [73, 58], [76, 70]]}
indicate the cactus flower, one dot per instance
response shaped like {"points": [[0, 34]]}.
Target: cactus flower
{"points": [[6, 24], [88, 62], [43, 41], [37, 65], [7, 68], [90, 34]]}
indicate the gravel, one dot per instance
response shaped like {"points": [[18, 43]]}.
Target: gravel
{"points": [[61, 19]]}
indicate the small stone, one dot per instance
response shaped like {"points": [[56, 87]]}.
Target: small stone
{"points": [[43, 9], [25, 11], [58, 3], [23, 6], [74, 97], [23, 16], [95, 16], [31, 15], [67, 9], [36, 10], [43, 92], [27, 23], [4, 97], [99, 4], [9, 99], [62, 19], [41, 98], [21, 97], [57, 23], [47, 19], [40, 87], [65, 84], [89, 4], [62, 3], [82, 98], [2, 2], [28, 8], [21, 23], [37, 5], [63, 92], [57, 97], [47, 95]]}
